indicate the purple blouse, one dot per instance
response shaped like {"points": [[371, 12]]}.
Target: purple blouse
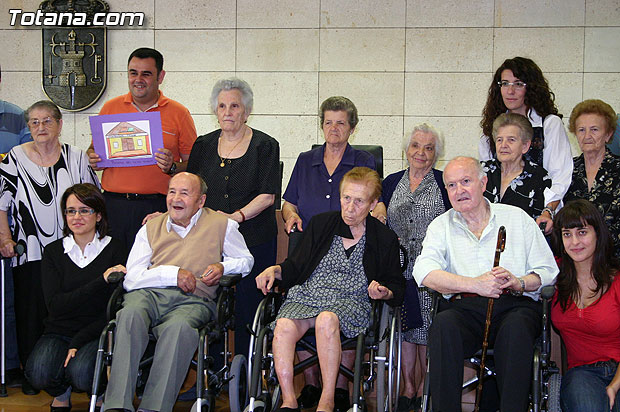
{"points": [[312, 189]]}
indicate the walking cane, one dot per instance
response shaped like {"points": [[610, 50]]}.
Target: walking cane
{"points": [[19, 250], [501, 243]]}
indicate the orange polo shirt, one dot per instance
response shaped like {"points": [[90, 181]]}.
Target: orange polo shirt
{"points": [[179, 136]]}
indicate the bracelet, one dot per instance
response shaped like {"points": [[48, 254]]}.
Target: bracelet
{"points": [[242, 215], [549, 210]]}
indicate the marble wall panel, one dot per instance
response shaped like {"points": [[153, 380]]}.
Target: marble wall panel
{"points": [[449, 50], [362, 13], [536, 13], [277, 49], [362, 50], [553, 49], [283, 14], [372, 93]]}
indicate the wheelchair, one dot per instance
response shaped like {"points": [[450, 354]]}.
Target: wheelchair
{"points": [[546, 379], [209, 383], [380, 369]]}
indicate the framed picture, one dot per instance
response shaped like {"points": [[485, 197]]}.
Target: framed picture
{"points": [[127, 139]]}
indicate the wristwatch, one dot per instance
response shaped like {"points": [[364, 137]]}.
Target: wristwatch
{"points": [[173, 169], [519, 292]]}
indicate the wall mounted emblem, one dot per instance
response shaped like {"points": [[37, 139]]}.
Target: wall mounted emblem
{"points": [[74, 57]]}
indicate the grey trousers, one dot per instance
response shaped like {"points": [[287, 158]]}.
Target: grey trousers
{"points": [[173, 317]]}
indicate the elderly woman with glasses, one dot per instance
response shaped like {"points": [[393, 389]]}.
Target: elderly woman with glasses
{"points": [[33, 177], [414, 197], [76, 292], [519, 86]]}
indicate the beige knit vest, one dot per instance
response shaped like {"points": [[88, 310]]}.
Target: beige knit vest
{"points": [[201, 247]]}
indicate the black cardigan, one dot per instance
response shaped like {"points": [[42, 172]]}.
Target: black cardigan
{"points": [[381, 257], [76, 298]]}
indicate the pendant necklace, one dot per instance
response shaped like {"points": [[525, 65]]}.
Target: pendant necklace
{"points": [[233, 149]]}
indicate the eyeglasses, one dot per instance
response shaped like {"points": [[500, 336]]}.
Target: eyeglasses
{"points": [[47, 122], [518, 85], [83, 212]]}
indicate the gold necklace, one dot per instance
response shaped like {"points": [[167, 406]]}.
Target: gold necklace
{"points": [[222, 164]]}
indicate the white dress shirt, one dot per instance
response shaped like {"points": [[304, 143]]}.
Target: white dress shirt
{"points": [[91, 250], [557, 155], [449, 245], [236, 257]]}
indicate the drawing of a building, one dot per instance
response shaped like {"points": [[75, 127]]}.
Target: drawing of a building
{"points": [[127, 140]]}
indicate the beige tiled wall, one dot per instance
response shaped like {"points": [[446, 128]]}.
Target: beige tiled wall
{"points": [[400, 61]]}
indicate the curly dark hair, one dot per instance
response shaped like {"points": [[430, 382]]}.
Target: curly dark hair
{"points": [[538, 96], [580, 213]]}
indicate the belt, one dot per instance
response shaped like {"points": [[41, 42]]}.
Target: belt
{"points": [[136, 196], [472, 295], [612, 363]]}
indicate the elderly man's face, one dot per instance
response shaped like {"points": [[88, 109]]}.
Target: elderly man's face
{"points": [[465, 187], [184, 198], [356, 202]]}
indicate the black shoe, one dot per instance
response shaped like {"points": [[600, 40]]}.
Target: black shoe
{"points": [[342, 402], [14, 377], [405, 404], [309, 397], [417, 403], [28, 389]]}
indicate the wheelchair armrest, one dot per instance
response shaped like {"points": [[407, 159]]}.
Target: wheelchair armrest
{"points": [[547, 292], [230, 280], [115, 302]]}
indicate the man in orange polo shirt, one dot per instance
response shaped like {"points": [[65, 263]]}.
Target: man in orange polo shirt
{"points": [[133, 192]]}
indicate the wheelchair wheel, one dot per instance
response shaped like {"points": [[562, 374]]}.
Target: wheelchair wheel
{"points": [[553, 400], [204, 406], [388, 360], [238, 385]]}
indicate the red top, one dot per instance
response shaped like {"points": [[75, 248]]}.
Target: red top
{"points": [[591, 334], [179, 136]]}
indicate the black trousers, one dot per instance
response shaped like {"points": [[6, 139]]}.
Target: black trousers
{"points": [[30, 309], [456, 333], [125, 215]]}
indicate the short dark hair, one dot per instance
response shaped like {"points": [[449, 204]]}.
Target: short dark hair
{"points": [[145, 53], [47, 105], [91, 196], [575, 214], [339, 104]]}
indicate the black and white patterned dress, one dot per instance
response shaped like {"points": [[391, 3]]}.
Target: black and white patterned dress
{"points": [[32, 193], [338, 285], [409, 214]]}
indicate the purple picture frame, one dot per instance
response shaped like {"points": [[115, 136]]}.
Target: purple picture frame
{"points": [[127, 139]]}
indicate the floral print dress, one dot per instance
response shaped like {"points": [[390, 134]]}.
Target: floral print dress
{"points": [[526, 191]]}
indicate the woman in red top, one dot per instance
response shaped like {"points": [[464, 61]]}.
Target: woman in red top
{"points": [[586, 309]]}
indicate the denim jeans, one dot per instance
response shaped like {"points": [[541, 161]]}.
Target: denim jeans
{"points": [[583, 388], [45, 367]]}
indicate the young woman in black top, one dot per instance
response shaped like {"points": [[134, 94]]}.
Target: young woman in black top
{"points": [[75, 270]]}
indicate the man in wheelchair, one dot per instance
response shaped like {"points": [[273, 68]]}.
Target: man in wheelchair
{"points": [[343, 258], [173, 272], [457, 260]]}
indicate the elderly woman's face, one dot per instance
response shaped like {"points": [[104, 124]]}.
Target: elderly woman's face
{"points": [[421, 152], [336, 128], [509, 145], [592, 133], [43, 127], [231, 113], [356, 202]]}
